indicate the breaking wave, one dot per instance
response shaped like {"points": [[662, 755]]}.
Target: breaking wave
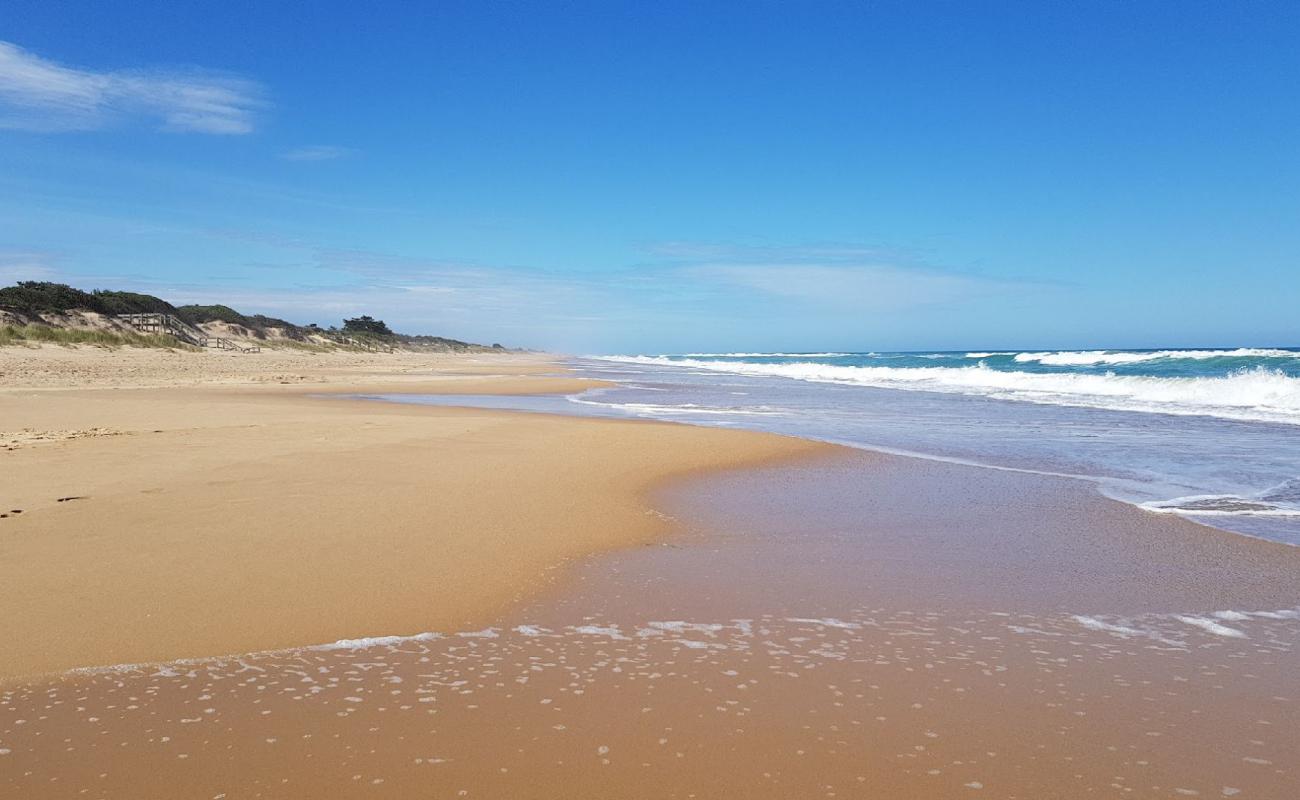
{"points": [[1258, 394], [1085, 358]]}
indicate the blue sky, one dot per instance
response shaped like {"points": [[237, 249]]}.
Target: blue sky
{"points": [[649, 177]]}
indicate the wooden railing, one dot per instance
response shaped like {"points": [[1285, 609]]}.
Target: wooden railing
{"points": [[179, 329], [369, 346]]}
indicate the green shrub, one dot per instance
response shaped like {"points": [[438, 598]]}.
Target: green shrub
{"points": [[43, 297], [366, 324], [195, 314], [132, 303]]}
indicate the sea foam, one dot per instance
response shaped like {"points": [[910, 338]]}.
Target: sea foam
{"points": [[1084, 358], [1259, 394]]}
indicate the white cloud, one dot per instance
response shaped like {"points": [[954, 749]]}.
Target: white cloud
{"points": [[316, 152], [40, 95]]}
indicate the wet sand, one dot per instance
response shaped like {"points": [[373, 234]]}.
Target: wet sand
{"points": [[879, 703], [742, 658], [841, 625]]}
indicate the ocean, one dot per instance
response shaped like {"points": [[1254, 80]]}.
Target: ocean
{"points": [[1209, 434]]}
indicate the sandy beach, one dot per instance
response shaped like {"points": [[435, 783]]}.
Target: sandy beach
{"points": [[221, 507], [649, 401], [545, 606]]}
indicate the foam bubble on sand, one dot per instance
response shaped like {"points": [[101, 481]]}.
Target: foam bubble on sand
{"points": [[825, 622], [1286, 613], [1232, 616], [1169, 629], [1209, 625], [486, 633], [1028, 631], [611, 631], [679, 626], [1092, 623], [694, 645], [375, 641], [1165, 628]]}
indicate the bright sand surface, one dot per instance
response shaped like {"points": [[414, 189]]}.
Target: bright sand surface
{"points": [[846, 625], [228, 512]]}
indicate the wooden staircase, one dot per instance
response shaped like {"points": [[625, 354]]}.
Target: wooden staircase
{"points": [[182, 331], [368, 346]]}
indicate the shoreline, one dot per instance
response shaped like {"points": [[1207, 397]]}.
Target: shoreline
{"points": [[219, 503], [1097, 484], [333, 408]]}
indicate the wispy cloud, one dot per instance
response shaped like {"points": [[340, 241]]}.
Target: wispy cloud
{"points": [[773, 254], [316, 152], [477, 302], [831, 277], [724, 283], [877, 287], [693, 296], [532, 313], [526, 293], [41, 95]]}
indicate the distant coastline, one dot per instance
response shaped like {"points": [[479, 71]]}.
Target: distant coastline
{"points": [[40, 311]]}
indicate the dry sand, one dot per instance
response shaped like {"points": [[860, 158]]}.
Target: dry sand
{"points": [[225, 512], [57, 367]]}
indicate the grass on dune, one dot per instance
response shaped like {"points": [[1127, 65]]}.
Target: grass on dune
{"points": [[42, 334]]}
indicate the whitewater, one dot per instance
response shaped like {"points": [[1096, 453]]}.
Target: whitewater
{"points": [[1211, 434], [1258, 392]]}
